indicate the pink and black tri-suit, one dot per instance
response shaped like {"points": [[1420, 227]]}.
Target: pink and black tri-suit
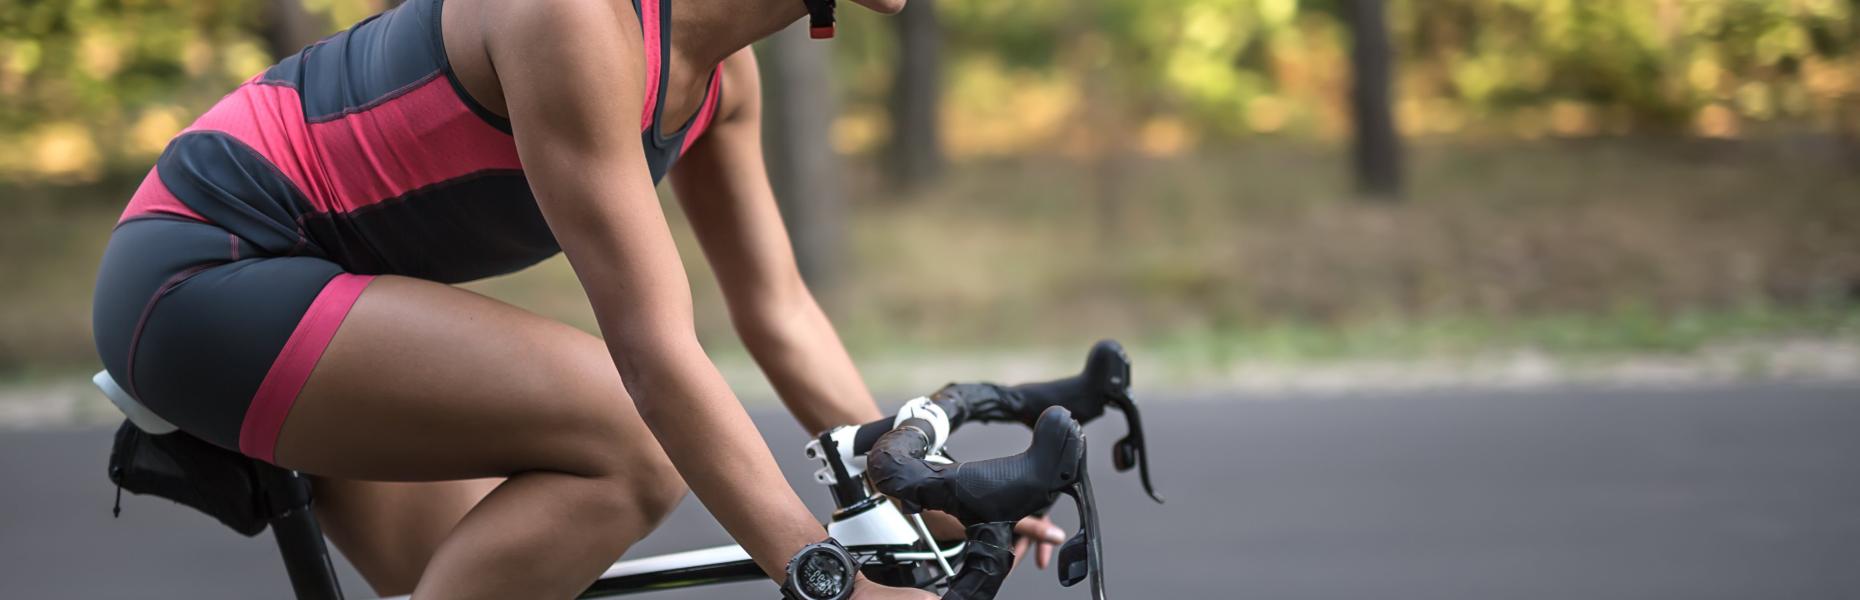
{"points": [[244, 248]]}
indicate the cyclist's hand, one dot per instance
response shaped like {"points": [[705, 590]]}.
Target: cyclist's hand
{"points": [[866, 590], [1040, 535]]}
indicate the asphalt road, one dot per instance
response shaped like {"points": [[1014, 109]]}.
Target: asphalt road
{"points": [[1728, 492]]}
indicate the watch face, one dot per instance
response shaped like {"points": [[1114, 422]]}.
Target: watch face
{"points": [[823, 575]]}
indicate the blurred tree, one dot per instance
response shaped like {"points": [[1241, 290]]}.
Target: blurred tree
{"points": [[94, 87], [286, 26], [798, 112], [1376, 147], [915, 154], [90, 88]]}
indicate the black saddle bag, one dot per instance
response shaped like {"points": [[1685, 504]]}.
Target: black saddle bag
{"points": [[243, 493]]}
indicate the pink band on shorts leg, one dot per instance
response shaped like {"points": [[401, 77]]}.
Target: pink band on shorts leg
{"points": [[264, 419]]}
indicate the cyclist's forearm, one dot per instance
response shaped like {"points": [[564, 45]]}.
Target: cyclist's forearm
{"points": [[795, 345], [722, 456]]}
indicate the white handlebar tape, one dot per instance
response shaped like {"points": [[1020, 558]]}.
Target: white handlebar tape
{"points": [[922, 408]]}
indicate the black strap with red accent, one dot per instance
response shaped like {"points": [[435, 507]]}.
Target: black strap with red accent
{"points": [[820, 18]]}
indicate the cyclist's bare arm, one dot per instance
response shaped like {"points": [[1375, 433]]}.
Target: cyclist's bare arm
{"points": [[724, 188], [723, 185], [566, 67]]}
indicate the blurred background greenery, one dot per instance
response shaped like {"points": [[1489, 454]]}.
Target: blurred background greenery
{"points": [[1220, 180]]}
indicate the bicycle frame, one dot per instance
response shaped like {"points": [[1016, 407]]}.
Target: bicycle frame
{"points": [[892, 549], [868, 524], [871, 527]]}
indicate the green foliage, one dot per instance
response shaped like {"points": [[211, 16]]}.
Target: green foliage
{"points": [[91, 86], [1531, 67], [87, 86], [1661, 61], [78, 75]]}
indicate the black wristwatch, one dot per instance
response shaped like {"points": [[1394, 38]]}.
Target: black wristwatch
{"points": [[820, 571]]}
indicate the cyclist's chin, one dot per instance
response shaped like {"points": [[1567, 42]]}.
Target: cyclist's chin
{"points": [[889, 7]]}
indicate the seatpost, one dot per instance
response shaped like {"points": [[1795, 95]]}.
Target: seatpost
{"points": [[300, 539]]}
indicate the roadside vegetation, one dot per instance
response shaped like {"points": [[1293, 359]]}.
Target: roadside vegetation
{"points": [[1589, 180], [1585, 248]]}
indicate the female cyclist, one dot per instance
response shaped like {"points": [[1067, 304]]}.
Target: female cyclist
{"points": [[279, 285]]}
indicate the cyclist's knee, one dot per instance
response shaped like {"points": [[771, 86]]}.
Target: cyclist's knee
{"points": [[618, 448], [590, 432], [646, 483], [599, 434], [630, 503], [659, 490]]}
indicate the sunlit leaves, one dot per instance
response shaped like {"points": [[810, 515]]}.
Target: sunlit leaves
{"points": [[1039, 74], [89, 84], [1532, 67]]}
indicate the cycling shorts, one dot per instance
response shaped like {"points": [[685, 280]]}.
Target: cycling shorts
{"points": [[211, 332]]}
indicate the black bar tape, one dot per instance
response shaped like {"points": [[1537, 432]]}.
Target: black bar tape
{"points": [[986, 559], [868, 434], [985, 491]]}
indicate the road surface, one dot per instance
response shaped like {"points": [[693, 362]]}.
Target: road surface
{"points": [[1749, 491]]}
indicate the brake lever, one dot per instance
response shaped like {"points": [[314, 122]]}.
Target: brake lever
{"points": [[1082, 555], [1133, 450]]}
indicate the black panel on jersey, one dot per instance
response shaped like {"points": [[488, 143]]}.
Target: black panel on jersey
{"points": [[234, 187], [374, 61], [468, 228]]}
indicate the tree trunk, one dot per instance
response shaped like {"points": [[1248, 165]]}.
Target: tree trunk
{"points": [[915, 154], [798, 110], [1377, 146], [287, 27]]}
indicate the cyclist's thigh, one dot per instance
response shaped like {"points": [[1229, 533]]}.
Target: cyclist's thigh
{"points": [[199, 330], [425, 381]]}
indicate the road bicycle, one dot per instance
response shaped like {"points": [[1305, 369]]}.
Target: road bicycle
{"points": [[881, 475]]}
